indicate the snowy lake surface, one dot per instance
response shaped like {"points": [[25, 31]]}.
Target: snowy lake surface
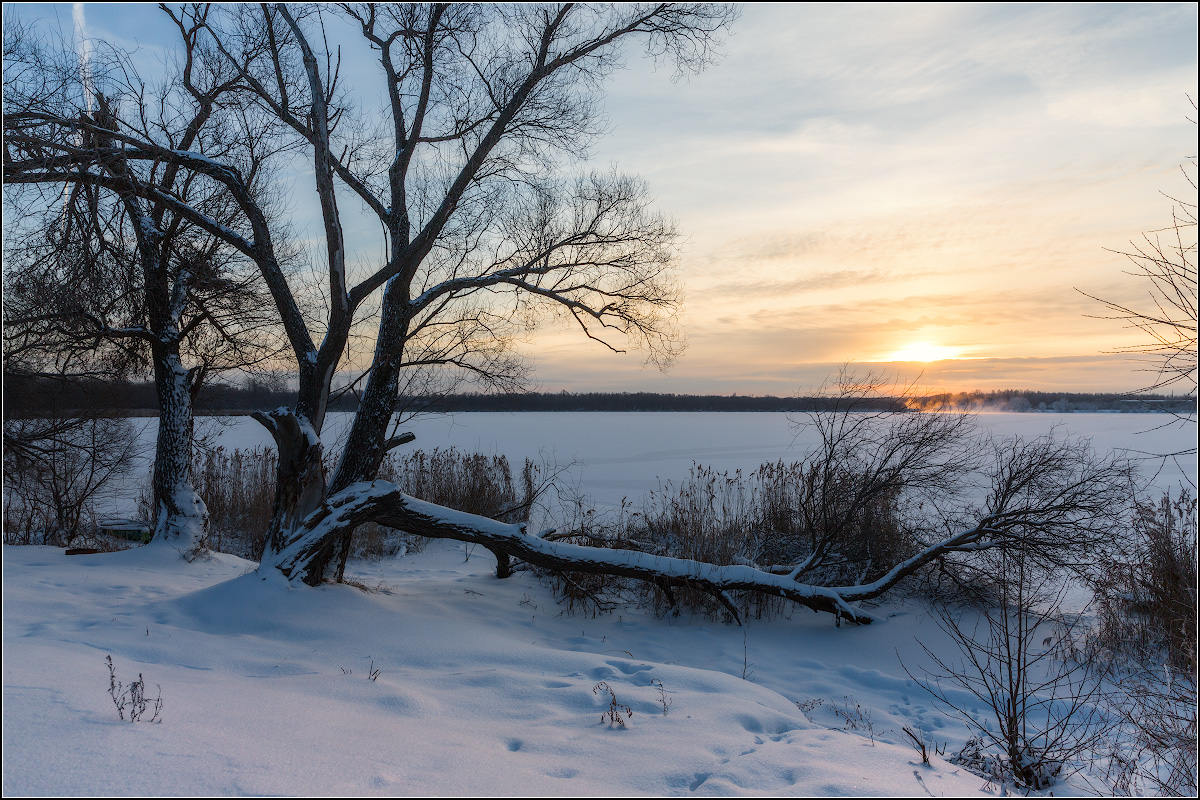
{"points": [[619, 455]]}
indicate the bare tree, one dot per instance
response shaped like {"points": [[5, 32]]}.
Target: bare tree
{"points": [[105, 265], [479, 233], [1165, 261]]}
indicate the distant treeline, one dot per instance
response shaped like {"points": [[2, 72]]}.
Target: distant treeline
{"points": [[25, 396], [635, 401]]}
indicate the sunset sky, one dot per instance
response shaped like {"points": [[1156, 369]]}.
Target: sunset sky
{"points": [[889, 184]]}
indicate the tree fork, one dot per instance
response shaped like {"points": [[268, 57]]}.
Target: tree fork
{"points": [[300, 474]]}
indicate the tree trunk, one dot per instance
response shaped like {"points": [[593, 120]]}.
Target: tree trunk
{"points": [[367, 444], [180, 517], [299, 476]]}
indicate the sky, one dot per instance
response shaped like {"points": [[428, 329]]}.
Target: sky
{"points": [[922, 189]]}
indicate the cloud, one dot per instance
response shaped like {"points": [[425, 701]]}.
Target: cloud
{"points": [[816, 282]]}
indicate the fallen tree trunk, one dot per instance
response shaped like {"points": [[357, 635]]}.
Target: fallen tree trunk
{"points": [[383, 503], [1054, 500]]}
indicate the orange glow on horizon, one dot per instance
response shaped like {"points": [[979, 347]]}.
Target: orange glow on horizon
{"points": [[923, 351]]}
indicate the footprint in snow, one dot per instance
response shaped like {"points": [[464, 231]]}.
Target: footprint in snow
{"points": [[627, 668]]}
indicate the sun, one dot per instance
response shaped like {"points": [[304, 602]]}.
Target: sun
{"points": [[923, 351]]}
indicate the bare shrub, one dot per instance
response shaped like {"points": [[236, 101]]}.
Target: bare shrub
{"points": [[617, 712], [918, 741], [132, 699], [663, 701], [1020, 660], [1154, 751], [1146, 598], [855, 719], [55, 469]]}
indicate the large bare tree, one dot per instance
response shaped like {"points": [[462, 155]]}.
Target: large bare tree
{"points": [[485, 106]]}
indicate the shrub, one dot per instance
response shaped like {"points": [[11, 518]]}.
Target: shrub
{"points": [[1147, 594], [238, 488], [776, 515], [132, 698], [1020, 662], [1147, 627], [55, 468]]}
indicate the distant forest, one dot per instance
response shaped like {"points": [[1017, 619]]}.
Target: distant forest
{"points": [[26, 397]]}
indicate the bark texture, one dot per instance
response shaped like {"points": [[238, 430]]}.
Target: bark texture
{"points": [[300, 477], [180, 517]]}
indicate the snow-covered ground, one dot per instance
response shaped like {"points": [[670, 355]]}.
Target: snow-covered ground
{"points": [[483, 686]]}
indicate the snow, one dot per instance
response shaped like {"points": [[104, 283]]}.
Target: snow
{"points": [[483, 688]]}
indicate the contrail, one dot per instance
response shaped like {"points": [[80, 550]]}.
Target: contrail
{"points": [[85, 52]]}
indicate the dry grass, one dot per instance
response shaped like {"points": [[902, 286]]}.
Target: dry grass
{"points": [[773, 516], [1146, 627], [471, 482], [1147, 595], [238, 488]]}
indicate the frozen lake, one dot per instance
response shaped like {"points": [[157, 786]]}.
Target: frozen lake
{"points": [[626, 454]]}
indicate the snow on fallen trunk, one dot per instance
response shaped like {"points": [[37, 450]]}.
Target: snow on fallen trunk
{"points": [[383, 502]]}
